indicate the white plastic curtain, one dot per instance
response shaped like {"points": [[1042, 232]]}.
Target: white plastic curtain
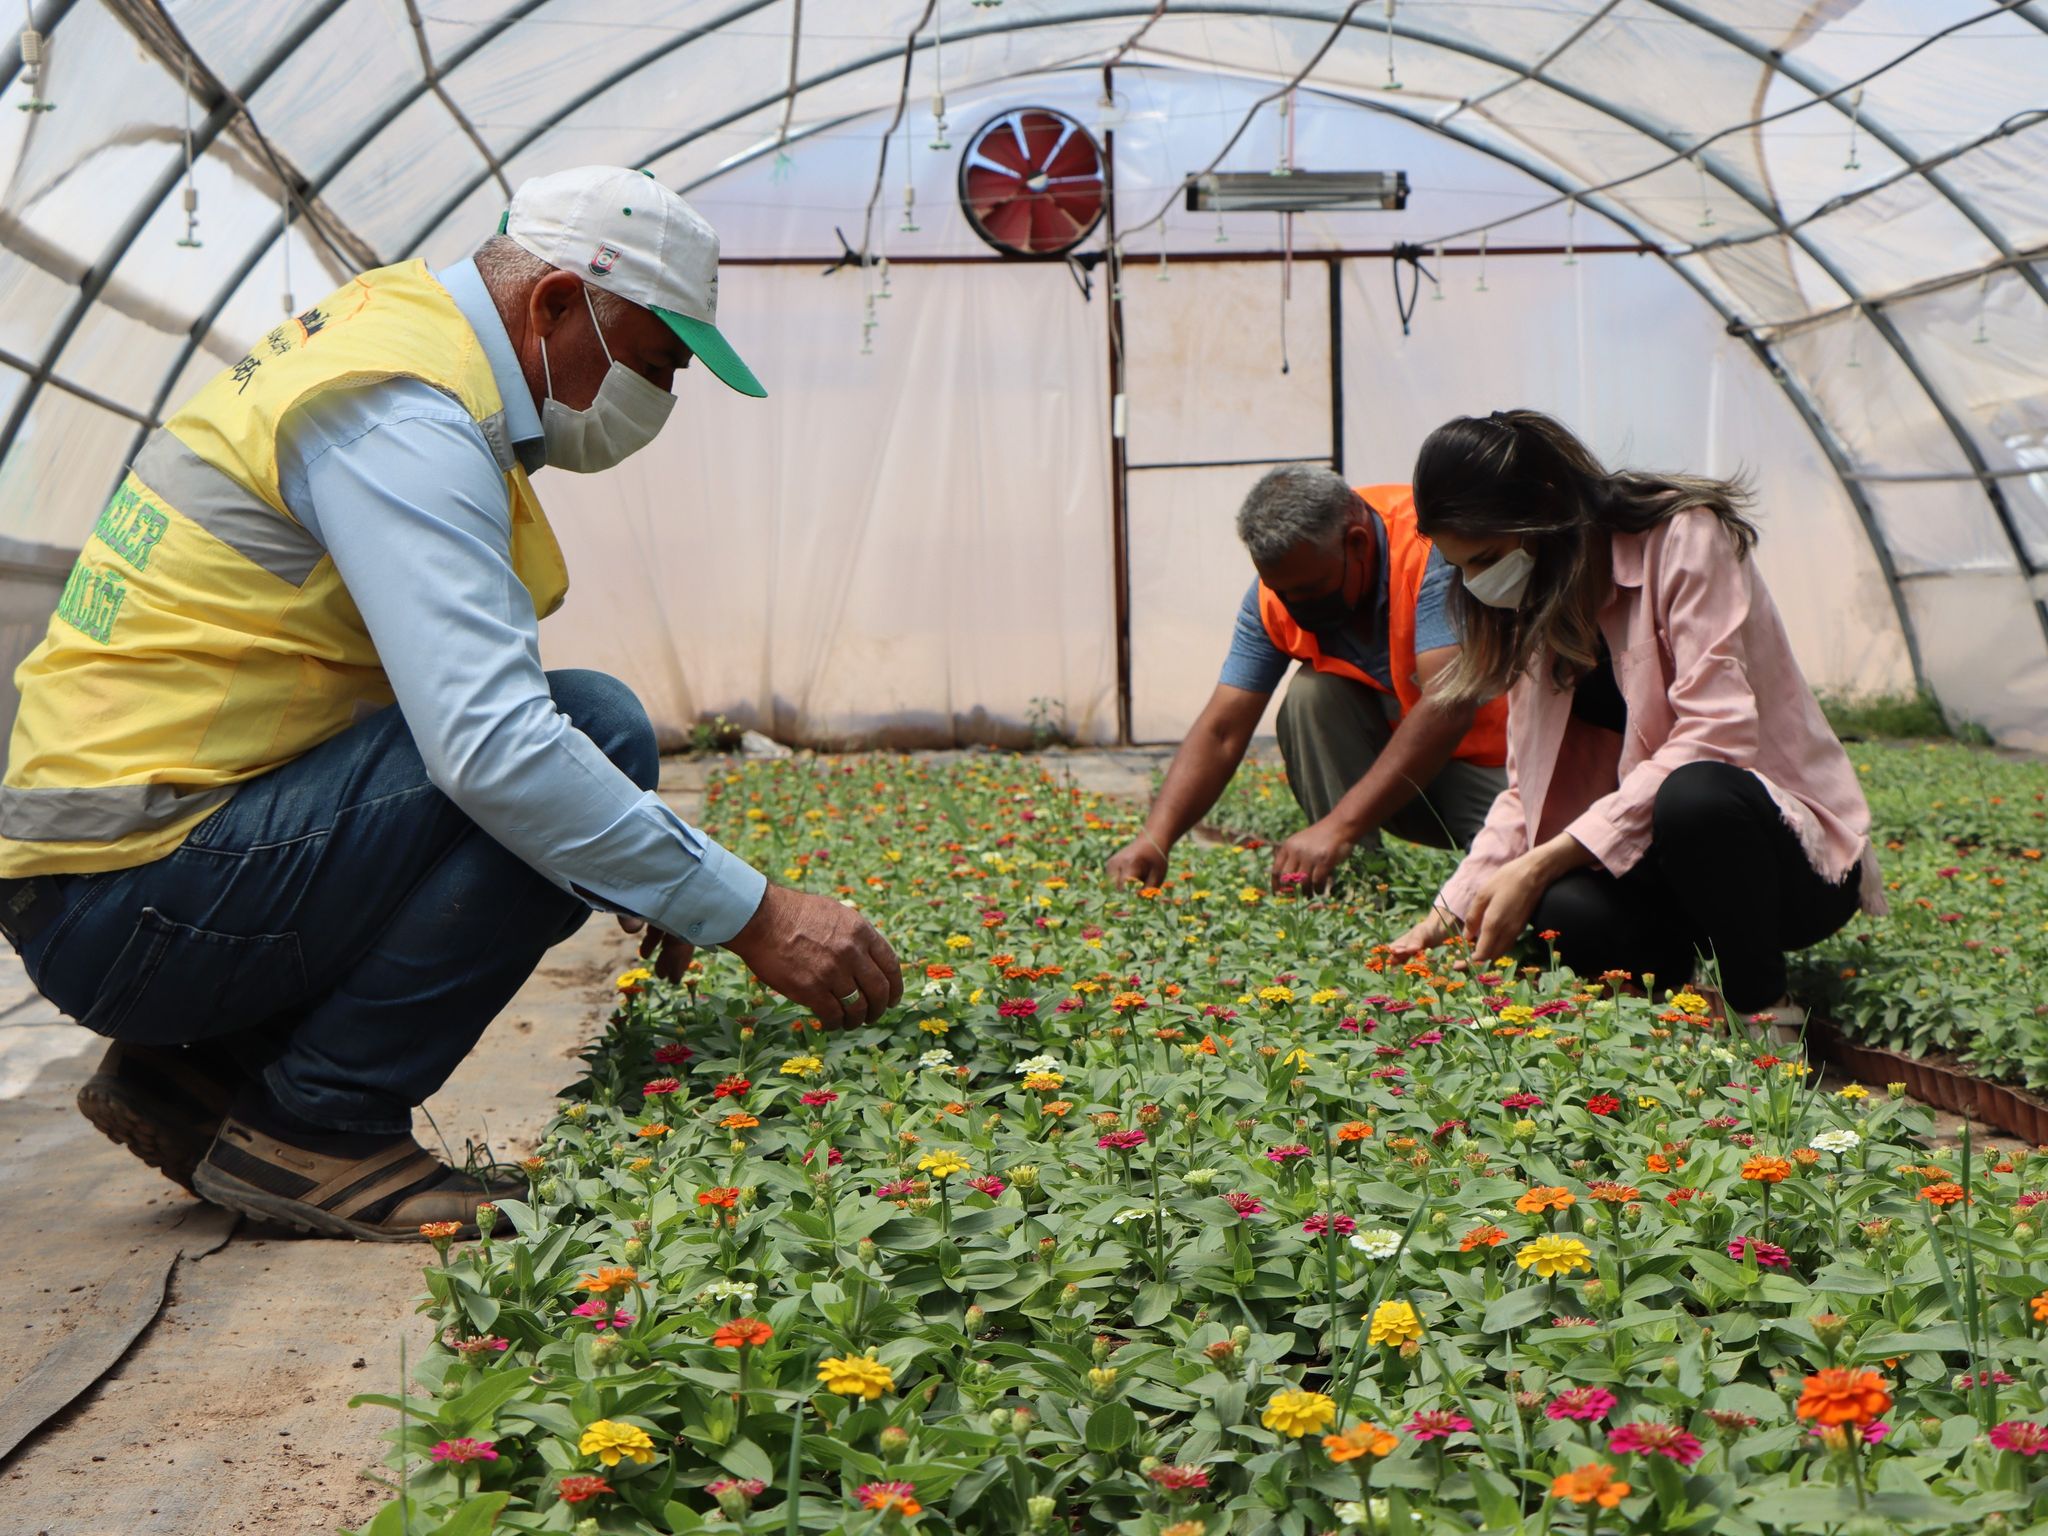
{"points": [[1854, 187]]}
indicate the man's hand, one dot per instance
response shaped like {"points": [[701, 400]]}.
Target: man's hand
{"points": [[821, 956], [1316, 852], [1138, 862], [1503, 906], [1427, 934], [674, 954]]}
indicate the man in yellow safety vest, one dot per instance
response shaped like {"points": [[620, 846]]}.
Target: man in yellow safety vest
{"points": [[291, 809]]}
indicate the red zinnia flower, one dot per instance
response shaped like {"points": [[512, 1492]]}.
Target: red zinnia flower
{"points": [[1121, 1141], [1602, 1104], [1648, 1437], [1244, 1205], [731, 1087], [672, 1055], [817, 1097], [1437, 1424], [577, 1490], [743, 1333]]}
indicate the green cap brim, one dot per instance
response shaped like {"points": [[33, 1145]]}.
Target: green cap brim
{"points": [[704, 341]]}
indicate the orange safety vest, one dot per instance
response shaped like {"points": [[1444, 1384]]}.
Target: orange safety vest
{"points": [[1486, 743]]}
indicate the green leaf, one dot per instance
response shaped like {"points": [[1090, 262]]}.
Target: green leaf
{"points": [[476, 1406], [1514, 1308], [743, 1458], [477, 1515], [1155, 1300], [1110, 1427]]}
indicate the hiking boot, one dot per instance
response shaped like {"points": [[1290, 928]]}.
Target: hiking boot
{"points": [[162, 1102], [376, 1189]]}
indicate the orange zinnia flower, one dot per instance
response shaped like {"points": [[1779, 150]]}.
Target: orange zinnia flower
{"points": [[1946, 1192], [1763, 1169], [1613, 1194], [724, 1196], [1057, 1107], [2040, 1306], [1360, 1440], [1591, 1484], [1482, 1237], [742, 1333], [1546, 1197], [652, 1132], [1657, 1162], [609, 1278], [1836, 1396], [1353, 1130], [741, 1121]]}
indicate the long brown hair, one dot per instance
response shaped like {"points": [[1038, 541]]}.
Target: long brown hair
{"points": [[1525, 473]]}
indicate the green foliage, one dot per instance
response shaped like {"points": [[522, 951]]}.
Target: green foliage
{"points": [[1895, 717], [1127, 1166]]}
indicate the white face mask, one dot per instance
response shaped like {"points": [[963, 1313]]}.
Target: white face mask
{"points": [[1502, 583], [624, 417]]}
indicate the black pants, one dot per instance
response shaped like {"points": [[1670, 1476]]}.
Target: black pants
{"points": [[1724, 878]]}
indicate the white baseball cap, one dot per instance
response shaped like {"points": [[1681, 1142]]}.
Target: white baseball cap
{"points": [[626, 233]]}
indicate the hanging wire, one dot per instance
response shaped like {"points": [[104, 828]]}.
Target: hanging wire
{"points": [[34, 55], [939, 140], [284, 242], [1983, 303], [1571, 232], [783, 159], [910, 226], [867, 227], [1393, 80], [1437, 277], [1855, 123], [1699, 164], [190, 196], [1480, 286]]}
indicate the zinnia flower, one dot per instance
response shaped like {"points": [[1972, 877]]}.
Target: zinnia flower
{"points": [[1837, 1396], [739, 1120], [611, 1277], [1286, 1155], [1945, 1192], [1648, 1437], [1545, 1198], [818, 1097], [1762, 1169], [1837, 1142], [661, 1086], [1767, 1255], [1602, 1104], [1321, 1222], [1176, 1479], [2020, 1437], [724, 1196], [1437, 1424], [942, 1165], [898, 1498], [1121, 1141], [1378, 1243], [1552, 1255], [1484, 1236], [1587, 1405], [730, 1087], [1295, 1414], [860, 1376], [1394, 1322], [1361, 1439], [610, 1441], [1250, 1205], [1593, 1483], [742, 1333], [581, 1489], [461, 1452]]}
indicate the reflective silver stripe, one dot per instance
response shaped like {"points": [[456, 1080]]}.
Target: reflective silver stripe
{"points": [[227, 510], [500, 439], [99, 815]]}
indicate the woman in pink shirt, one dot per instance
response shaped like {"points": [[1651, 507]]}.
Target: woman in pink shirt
{"points": [[1673, 789]]}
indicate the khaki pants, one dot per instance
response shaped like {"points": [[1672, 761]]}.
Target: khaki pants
{"points": [[1332, 730]]}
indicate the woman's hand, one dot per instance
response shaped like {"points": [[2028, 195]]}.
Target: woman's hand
{"points": [[1504, 905], [1427, 934]]}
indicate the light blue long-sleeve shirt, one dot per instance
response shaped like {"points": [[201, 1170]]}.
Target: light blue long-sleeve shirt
{"points": [[399, 486]]}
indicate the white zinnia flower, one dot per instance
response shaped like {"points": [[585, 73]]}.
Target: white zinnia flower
{"points": [[937, 1056], [1378, 1243], [730, 1290], [1038, 1064], [1837, 1142], [1130, 1214]]}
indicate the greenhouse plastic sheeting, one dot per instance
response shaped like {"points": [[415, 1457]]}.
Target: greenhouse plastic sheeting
{"points": [[1848, 194]]}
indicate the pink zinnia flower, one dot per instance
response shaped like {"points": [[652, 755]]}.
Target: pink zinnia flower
{"points": [[1018, 1008], [1180, 1479], [1285, 1155], [672, 1055], [897, 1190], [988, 1184], [1586, 1404], [1428, 1037], [1437, 1424], [817, 1097], [1873, 1432], [2021, 1437], [1521, 1101], [1319, 1223], [1121, 1141], [660, 1087], [461, 1452], [833, 1157], [1767, 1255], [602, 1315], [1066, 1004], [1648, 1437], [1245, 1205]]}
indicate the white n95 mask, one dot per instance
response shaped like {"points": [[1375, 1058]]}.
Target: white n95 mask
{"points": [[1502, 583], [625, 415]]}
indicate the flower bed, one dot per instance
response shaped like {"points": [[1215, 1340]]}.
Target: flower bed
{"points": [[1183, 1211]]}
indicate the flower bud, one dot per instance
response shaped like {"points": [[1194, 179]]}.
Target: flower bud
{"points": [[585, 1527], [606, 1348], [1240, 1336], [1828, 1327], [1070, 1293], [1040, 1509], [549, 1190], [1025, 1176], [867, 1250], [1895, 1090], [1103, 1347], [1000, 1421], [634, 1247], [1102, 1378], [894, 1442], [976, 1318]]}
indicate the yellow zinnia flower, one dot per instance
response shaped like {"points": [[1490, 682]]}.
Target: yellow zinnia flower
{"points": [[610, 1442], [1853, 1091], [856, 1376], [1552, 1255], [1043, 1082], [1276, 994], [802, 1066], [1394, 1322], [942, 1165], [1295, 1414]]}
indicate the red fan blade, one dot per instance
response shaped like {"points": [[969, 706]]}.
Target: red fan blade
{"points": [[1005, 150], [1076, 157]]}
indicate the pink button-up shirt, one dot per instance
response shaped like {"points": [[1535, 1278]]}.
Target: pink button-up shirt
{"points": [[1707, 673]]}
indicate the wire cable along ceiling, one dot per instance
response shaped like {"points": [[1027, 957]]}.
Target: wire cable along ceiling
{"points": [[1853, 186]]}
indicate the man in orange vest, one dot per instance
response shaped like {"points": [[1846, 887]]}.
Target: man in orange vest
{"points": [[1347, 587]]}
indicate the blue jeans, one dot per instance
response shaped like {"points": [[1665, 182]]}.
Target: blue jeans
{"points": [[339, 917]]}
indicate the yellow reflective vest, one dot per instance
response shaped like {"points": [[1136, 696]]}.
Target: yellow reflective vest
{"points": [[204, 637]]}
